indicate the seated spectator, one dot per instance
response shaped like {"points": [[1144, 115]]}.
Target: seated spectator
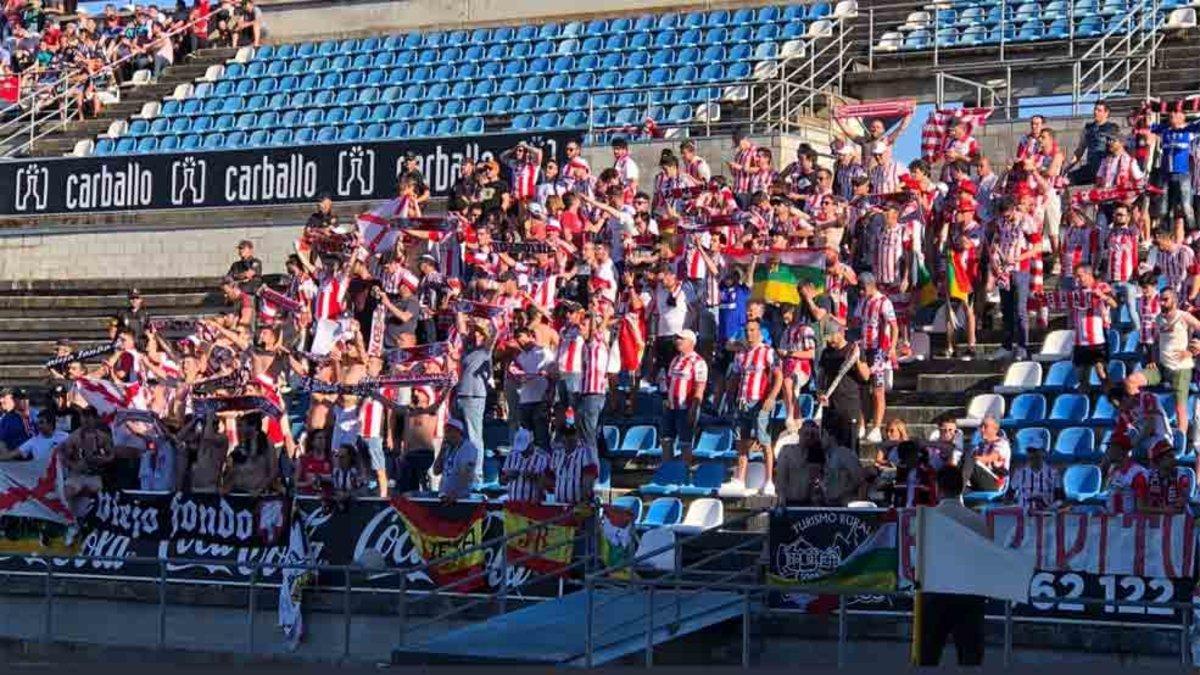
{"points": [[1036, 486], [916, 480], [987, 467], [40, 446], [1168, 486], [316, 470]]}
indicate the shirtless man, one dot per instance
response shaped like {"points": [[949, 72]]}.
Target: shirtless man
{"points": [[422, 433], [251, 465], [85, 454], [206, 448]]}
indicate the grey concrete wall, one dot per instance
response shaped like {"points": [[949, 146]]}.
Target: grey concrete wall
{"points": [[134, 254], [289, 22], [998, 139]]}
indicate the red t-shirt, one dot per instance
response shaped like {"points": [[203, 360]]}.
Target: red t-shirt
{"points": [[311, 465]]}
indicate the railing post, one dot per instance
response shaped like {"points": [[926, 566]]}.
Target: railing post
{"points": [[1185, 636], [871, 39], [649, 626], [590, 590], [346, 615], [1008, 631], [1071, 29], [841, 645], [48, 635], [252, 608], [502, 594], [936, 12], [1003, 26], [162, 603], [746, 629], [402, 607]]}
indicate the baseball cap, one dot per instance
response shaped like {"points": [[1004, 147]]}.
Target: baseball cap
{"points": [[879, 148], [537, 211], [455, 424], [687, 334], [134, 293]]}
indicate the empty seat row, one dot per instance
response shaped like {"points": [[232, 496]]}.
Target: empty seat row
{"points": [[760, 21], [306, 135]]}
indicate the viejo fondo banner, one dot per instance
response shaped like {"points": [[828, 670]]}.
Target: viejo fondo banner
{"points": [[253, 177]]}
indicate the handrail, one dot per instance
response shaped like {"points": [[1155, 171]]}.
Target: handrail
{"points": [[68, 90], [1137, 32]]}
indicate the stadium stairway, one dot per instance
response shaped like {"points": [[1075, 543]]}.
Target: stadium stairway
{"points": [[34, 315], [132, 98]]}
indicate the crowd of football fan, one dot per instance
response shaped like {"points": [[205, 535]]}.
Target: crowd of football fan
{"points": [[52, 51], [559, 297]]}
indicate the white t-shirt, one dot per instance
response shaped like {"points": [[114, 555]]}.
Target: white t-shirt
{"points": [[607, 271], [672, 319], [618, 226], [40, 447], [538, 359]]}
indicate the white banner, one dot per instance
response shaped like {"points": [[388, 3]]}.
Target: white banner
{"points": [[33, 489]]}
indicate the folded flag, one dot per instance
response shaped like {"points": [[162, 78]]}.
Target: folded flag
{"points": [[778, 274], [540, 537], [34, 489]]}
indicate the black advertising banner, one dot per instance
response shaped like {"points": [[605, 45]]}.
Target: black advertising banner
{"points": [[224, 535], [286, 175]]}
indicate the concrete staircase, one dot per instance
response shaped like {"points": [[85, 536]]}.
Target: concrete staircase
{"points": [[34, 315], [132, 99]]}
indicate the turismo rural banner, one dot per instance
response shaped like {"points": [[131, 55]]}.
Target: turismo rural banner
{"points": [[223, 536], [262, 176], [1138, 558]]}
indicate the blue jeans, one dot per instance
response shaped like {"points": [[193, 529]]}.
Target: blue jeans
{"points": [[1178, 187], [587, 417], [471, 408], [1014, 306]]}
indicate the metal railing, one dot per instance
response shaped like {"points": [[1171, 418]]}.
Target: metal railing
{"points": [[996, 95], [46, 108], [1129, 47]]}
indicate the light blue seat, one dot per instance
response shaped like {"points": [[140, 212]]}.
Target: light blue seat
{"points": [[680, 113], [662, 512], [636, 439], [1031, 31], [706, 480], [281, 137], [668, 479], [1026, 409], [1060, 378], [917, 39], [1074, 445], [973, 35], [472, 125], [398, 130], [1030, 437], [327, 134], [1081, 483], [1068, 410], [630, 503], [423, 129], [716, 444], [1090, 26], [1105, 414], [985, 497], [1167, 401], [446, 127]]}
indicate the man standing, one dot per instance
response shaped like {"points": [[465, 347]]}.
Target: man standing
{"points": [[1121, 255], [527, 470], [839, 395], [531, 368], [1089, 307], [524, 163], [576, 466], [685, 383], [741, 167], [134, 318], [946, 614], [246, 270], [593, 388], [1175, 328], [757, 380], [672, 304], [1176, 262], [474, 384], [1092, 145], [880, 332], [1177, 139], [694, 166], [627, 169], [1010, 256]]}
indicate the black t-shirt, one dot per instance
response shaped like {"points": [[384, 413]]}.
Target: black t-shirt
{"points": [[847, 397], [134, 321], [491, 193], [243, 265], [321, 221]]}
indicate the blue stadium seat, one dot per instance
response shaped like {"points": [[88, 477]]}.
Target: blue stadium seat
{"points": [[1074, 444], [168, 143], [225, 123], [472, 125], [1068, 410], [374, 131], [667, 479], [917, 39], [522, 122], [258, 138], [630, 503], [1081, 483], [147, 144], [423, 129], [715, 445], [446, 127], [679, 114], [706, 481], [181, 125], [281, 137], [1026, 409], [188, 143], [636, 438], [398, 130], [662, 512], [159, 126], [1030, 437], [1105, 414], [575, 119], [1061, 377], [327, 134]]}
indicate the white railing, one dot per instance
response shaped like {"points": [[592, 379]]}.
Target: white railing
{"points": [[803, 83], [1129, 47], [46, 108]]}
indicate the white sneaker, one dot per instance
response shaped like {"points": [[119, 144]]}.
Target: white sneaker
{"points": [[768, 490], [999, 355], [876, 435], [732, 488]]}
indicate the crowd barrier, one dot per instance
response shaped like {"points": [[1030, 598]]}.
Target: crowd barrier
{"points": [[252, 177]]}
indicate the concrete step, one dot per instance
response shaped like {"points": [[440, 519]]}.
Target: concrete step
{"points": [[923, 414], [956, 382], [30, 351], [17, 306], [101, 287]]}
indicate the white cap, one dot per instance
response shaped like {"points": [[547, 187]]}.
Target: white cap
{"points": [[879, 148], [456, 425], [687, 334], [845, 149]]}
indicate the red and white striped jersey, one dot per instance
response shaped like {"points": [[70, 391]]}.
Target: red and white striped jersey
{"points": [[130, 362], [1089, 315], [1149, 307], [686, 374], [304, 289], [1079, 247], [570, 468], [1122, 254], [331, 297], [1119, 171], [741, 177], [838, 289], [1008, 245], [694, 267], [570, 351], [371, 415], [1176, 265], [525, 176], [544, 292], [755, 366], [889, 254], [698, 170], [799, 337], [761, 180], [885, 177], [526, 472], [595, 366], [874, 314]]}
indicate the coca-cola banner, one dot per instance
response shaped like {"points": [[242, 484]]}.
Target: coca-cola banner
{"points": [[221, 537], [253, 177]]}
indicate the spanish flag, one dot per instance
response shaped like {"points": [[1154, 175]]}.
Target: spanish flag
{"points": [[445, 531], [540, 537]]}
